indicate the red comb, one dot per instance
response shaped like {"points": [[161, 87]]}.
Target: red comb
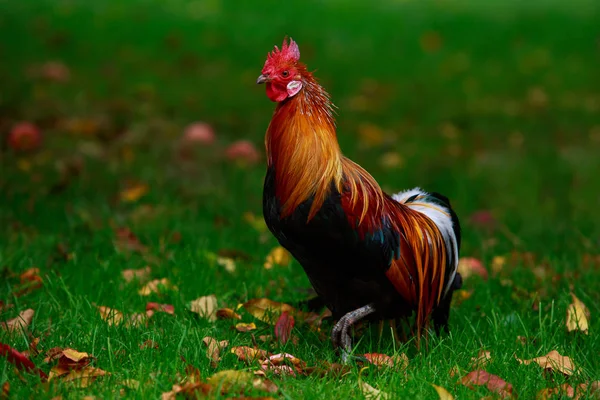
{"points": [[289, 52]]}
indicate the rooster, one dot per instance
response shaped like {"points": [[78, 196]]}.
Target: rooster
{"points": [[367, 254]]}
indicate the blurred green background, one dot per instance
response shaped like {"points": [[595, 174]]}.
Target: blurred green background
{"points": [[495, 104]]}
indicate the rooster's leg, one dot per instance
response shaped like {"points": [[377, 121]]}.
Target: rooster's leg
{"points": [[340, 335]]}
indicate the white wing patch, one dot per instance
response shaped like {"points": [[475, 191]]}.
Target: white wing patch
{"points": [[440, 215]]}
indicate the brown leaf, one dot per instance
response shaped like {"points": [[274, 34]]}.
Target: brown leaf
{"points": [[110, 315], [126, 240], [70, 360], [578, 316], [133, 192], [148, 344], [82, 377], [5, 393], [167, 308], [191, 390], [283, 327], [443, 393], [564, 390], [19, 323], [249, 354], [267, 310], [398, 361], [468, 266], [227, 313], [205, 306], [141, 275], [245, 327], [483, 359], [553, 361], [493, 382], [30, 281], [231, 379], [278, 256], [214, 348], [156, 286]]}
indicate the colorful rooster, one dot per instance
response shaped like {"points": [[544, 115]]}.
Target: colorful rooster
{"points": [[367, 254]]}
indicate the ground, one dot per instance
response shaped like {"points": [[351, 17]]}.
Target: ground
{"points": [[496, 106]]}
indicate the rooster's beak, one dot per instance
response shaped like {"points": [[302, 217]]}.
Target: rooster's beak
{"points": [[262, 79]]}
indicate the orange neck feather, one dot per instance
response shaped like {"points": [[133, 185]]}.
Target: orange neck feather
{"points": [[302, 147]]}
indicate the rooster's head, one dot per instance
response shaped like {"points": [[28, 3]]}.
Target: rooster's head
{"points": [[282, 72]]}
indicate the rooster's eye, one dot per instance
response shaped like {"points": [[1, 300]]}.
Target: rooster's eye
{"points": [[285, 74]]}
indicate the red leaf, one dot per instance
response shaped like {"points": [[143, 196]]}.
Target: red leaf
{"points": [[20, 360], [283, 327], [493, 382], [168, 308]]}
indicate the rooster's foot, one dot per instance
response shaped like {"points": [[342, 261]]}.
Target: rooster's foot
{"points": [[340, 335]]}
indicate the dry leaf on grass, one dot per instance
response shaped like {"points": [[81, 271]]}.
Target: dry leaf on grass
{"points": [[141, 275], [205, 306], [249, 354], [553, 361], [245, 327], [110, 315], [369, 391], [493, 382], [73, 366], [83, 377], [227, 313], [233, 379], [398, 361], [227, 263], [126, 240], [19, 323], [167, 308], [267, 310], [468, 266], [278, 257], [578, 316], [214, 348], [148, 344], [5, 392], [483, 359], [442, 393], [30, 281], [134, 192], [157, 286], [283, 327], [191, 390], [283, 364], [20, 360]]}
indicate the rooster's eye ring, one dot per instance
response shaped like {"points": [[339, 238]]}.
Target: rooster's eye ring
{"points": [[285, 73]]}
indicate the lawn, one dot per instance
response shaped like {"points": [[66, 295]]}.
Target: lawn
{"points": [[495, 104]]}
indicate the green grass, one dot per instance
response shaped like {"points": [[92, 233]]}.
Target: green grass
{"points": [[504, 116]]}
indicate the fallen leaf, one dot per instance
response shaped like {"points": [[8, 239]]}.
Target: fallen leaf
{"points": [[132, 384], [498, 263], [553, 361], [21, 322], [134, 192], [190, 390], [370, 135], [148, 344], [112, 316], [30, 280], [483, 359], [24, 137], [227, 313], [442, 393], [369, 391], [258, 223], [156, 286], [227, 263], [126, 240], [20, 361], [205, 306], [283, 327], [398, 361], [278, 256], [198, 132], [564, 390], [167, 308], [5, 392], [214, 348], [493, 382], [249, 354], [468, 266], [267, 310], [578, 316], [391, 159], [245, 327], [83, 377], [243, 151], [230, 379], [70, 360], [141, 275]]}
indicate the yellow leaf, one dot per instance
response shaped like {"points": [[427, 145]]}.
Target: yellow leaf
{"points": [[443, 393], [370, 135], [244, 327], [370, 392], [483, 358], [227, 263], [83, 377], [214, 348], [133, 193], [155, 286], [553, 361], [205, 306], [577, 316], [267, 310], [230, 379], [278, 256], [110, 315], [391, 159]]}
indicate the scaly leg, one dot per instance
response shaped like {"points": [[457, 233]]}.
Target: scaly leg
{"points": [[340, 335]]}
